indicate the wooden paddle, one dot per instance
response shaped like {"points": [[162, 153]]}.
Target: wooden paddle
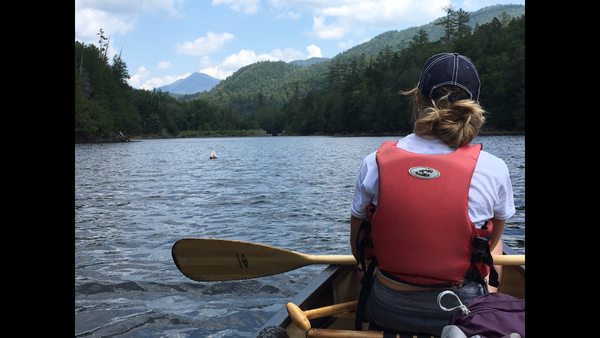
{"points": [[207, 259]]}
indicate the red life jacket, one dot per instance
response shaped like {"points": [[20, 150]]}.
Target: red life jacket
{"points": [[421, 230]]}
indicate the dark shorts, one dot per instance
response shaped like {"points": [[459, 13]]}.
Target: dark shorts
{"points": [[413, 311]]}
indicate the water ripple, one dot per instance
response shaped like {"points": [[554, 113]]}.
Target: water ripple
{"points": [[134, 200]]}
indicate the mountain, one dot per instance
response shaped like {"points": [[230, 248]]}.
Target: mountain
{"points": [[399, 39], [308, 62], [265, 83], [274, 83], [195, 83]]}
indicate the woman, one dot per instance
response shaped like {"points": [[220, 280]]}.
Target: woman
{"points": [[426, 197]]}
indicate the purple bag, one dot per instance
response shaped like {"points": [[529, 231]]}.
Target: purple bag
{"points": [[493, 315]]}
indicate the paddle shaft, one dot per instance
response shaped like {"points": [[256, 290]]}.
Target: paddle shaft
{"points": [[349, 259]]}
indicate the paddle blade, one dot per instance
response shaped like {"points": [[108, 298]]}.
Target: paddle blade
{"points": [[205, 259]]}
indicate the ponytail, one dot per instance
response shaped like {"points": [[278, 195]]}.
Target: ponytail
{"points": [[453, 117]]}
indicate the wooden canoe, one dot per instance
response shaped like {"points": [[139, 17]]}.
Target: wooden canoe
{"points": [[339, 285]]}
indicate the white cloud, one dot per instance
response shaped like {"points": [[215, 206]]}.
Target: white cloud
{"points": [[325, 31], [163, 65], [314, 51], [247, 56], [171, 7], [112, 51], [289, 15], [141, 79], [287, 54], [245, 6], [115, 16], [137, 79], [335, 19], [89, 21], [297, 3], [109, 6], [132, 6], [346, 44], [216, 72], [156, 82], [205, 61], [208, 44], [244, 58], [473, 5]]}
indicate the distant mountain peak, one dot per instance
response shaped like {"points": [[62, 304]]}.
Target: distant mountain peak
{"points": [[195, 83]]}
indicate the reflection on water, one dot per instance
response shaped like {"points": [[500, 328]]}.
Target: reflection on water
{"points": [[134, 200]]}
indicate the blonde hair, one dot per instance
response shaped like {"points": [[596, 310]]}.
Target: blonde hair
{"points": [[453, 118]]}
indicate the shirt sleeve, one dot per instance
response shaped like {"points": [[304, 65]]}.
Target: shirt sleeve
{"points": [[505, 208], [365, 187]]}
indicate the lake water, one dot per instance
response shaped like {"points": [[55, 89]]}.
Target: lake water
{"points": [[134, 200]]}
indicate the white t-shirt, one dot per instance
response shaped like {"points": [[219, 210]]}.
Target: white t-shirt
{"points": [[490, 194]]}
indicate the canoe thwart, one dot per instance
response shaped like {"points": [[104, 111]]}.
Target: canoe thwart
{"points": [[301, 318], [298, 316], [331, 310]]}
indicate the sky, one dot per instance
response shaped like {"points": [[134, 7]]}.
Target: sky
{"points": [[162, 41]]}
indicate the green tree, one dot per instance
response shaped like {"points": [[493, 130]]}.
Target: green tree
{"points": [[419, 39], [119, 69], [462, 20], [449, 24], [103, 43], [505, 19]]}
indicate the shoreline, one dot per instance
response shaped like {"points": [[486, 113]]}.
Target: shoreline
{"points": [[141, 138]]}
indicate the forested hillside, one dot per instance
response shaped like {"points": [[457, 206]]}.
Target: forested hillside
{"points": [[349, 94], [361, 94], [104, 102], [398, 40], [281, 81], [108, 109]]}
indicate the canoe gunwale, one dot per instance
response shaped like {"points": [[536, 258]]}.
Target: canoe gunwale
{"points": [[309, 296]]}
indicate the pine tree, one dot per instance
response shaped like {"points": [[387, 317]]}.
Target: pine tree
{"points": [[504, 19], [420, 38], [119, 68], [462, 20], [103, 42], [449, 24]]}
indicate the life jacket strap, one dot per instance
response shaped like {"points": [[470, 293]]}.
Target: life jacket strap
{"points": [[482, 254], [363, 242], [365, 290]]}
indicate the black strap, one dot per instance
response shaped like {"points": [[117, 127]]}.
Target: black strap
{"points": [[365, 290], [489, 260], [363, 243], [481, 254]]}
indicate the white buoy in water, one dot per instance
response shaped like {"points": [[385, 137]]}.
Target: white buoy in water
{"points": [[213, 155]]}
